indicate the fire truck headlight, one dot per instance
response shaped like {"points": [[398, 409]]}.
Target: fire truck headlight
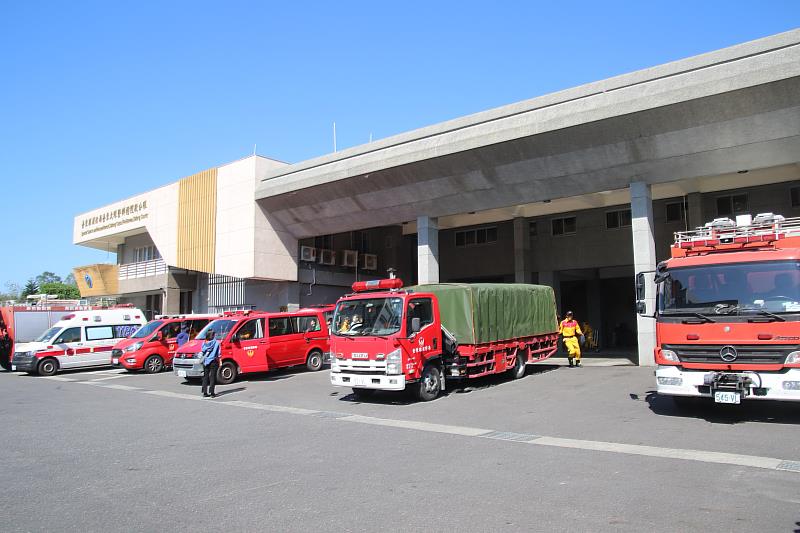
{"points": [[674, 382], [134, 347], [791, 385], [394, 363], [669, 355], [793, 358], [335, 363]]}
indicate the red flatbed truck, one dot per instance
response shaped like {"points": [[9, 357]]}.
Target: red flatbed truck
{"points": [[728, 312], [386, 337]]}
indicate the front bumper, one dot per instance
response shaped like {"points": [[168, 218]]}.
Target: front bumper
{"points": [[692, 383], [23, 363], [368, 381], [118, 360], [187, 368]]}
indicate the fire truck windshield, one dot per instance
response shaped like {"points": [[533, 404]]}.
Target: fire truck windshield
{"points": [[368, 316], [220, 327], [771, 287]]}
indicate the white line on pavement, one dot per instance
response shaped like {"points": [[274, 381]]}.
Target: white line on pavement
{"points": [[106, 379], [57, 378], [751, 461]]}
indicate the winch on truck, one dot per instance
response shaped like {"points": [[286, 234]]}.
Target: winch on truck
{"points": [[386, 337], [728, 311]]}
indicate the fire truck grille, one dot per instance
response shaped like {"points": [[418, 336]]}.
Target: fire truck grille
{"points": [[745, 354], [116, 352]]}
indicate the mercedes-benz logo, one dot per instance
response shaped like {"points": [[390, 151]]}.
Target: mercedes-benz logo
{"points": [[728, 354]]}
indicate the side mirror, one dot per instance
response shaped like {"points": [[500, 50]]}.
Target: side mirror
{"points": [[641, 307], [640, 287], [415, 325]]}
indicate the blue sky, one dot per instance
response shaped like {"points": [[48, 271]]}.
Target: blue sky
{"points": [[102, 100]]}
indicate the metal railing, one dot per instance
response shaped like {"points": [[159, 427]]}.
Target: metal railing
{"points": [[143, 269], [726, 229]]}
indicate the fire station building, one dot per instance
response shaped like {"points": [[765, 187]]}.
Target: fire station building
{"points": [[578, 189]]}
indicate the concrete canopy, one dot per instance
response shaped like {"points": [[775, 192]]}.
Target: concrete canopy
{"points": [[732, 109]]}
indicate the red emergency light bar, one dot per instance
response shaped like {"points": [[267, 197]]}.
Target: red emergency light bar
{"points": [[377, 285]]}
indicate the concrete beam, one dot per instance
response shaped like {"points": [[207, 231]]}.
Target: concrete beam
{"points": [[644, 260], [427, 250]]}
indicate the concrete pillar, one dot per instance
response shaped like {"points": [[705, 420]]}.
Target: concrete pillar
{"points": [[694, 210], [595, 303], [550, 278], [427, 250], [522, 251], [644, 259], [172, 296]]}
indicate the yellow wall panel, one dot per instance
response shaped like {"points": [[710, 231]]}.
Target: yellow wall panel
{"points": [[197, 221], [97, 280]]}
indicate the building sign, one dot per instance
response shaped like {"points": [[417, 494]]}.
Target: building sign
{"points": [[133, 212]]}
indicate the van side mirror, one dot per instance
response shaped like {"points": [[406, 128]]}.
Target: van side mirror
{"points": [[415, 325]]}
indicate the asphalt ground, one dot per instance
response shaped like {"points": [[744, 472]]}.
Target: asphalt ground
{"points": [[590, 449]]}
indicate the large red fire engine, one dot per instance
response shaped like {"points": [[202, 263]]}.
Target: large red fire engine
{"points": [[728, 311]]}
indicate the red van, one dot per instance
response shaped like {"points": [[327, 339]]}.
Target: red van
{"points": [[257, 342], [153, 345]]}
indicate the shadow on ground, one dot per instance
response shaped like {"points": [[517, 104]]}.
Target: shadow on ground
{"points": [[765, 411]]}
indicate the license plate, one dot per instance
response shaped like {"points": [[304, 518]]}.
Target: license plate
{"points": [[360, 355], [727, 397], [181, 373], [115, 360], [360, 380], [13, 367]]}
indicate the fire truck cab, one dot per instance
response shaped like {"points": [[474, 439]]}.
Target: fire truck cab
{"points": [[728, 311]]}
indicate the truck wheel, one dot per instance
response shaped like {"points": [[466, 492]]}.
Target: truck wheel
{"points": [[154, 364], [518, 370], [363, 394], [314, 361], [48, 367], [226, 373], [429, 385]]}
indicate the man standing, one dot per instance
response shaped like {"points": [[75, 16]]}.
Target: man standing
{"points": [[210, 354], [569, 330], [183, 336]]}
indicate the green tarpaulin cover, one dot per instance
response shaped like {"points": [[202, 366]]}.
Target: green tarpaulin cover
{"points": [[478, 313]]}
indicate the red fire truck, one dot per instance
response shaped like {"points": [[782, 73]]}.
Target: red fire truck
{"points": [[728, 311], [385, 337]]}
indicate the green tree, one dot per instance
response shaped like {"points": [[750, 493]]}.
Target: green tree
{"points": [[70, 279], [47, 277], [31, 287], [62, 290]]}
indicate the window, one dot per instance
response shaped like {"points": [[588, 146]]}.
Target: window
{"points": [[618, 219], [564, 226], [195, 326], [325, 242], [99, 333], [251, 330], [145, 253], [279, 326], [533, 230], [359, 241], [69, 335], [171, 330], [732, 205], [421, 308], [472, 237], [306, 324], [795, 192], [676, 212]]}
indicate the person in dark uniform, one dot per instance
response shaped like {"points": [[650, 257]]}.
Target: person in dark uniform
{"points": [[210, 356]]}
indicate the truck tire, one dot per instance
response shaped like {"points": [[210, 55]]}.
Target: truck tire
{"points": [[518, 370], [314, 361], [429, 384], [153, 364], [47, 367], [363, 394], [227, 373]]}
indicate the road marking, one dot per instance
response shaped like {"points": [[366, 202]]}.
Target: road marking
{"points": [[105, 371], [751, 461], [57, 378], [106, 379]]}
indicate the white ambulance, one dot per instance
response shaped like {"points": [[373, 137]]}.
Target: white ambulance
{"points": [[81, 339]]}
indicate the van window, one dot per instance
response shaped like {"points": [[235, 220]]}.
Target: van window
{"points": [[196, 325], [69, 335], [98, 333], [279, 326], [306, 324], [171, 330], [250, 330], [123, 331]]}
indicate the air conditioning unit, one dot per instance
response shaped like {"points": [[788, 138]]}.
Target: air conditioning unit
{"points": [[327, 257], [308, 253], [369, 261], [350, 258]]}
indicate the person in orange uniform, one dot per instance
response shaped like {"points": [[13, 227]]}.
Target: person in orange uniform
{"points": [[570, 330]]}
